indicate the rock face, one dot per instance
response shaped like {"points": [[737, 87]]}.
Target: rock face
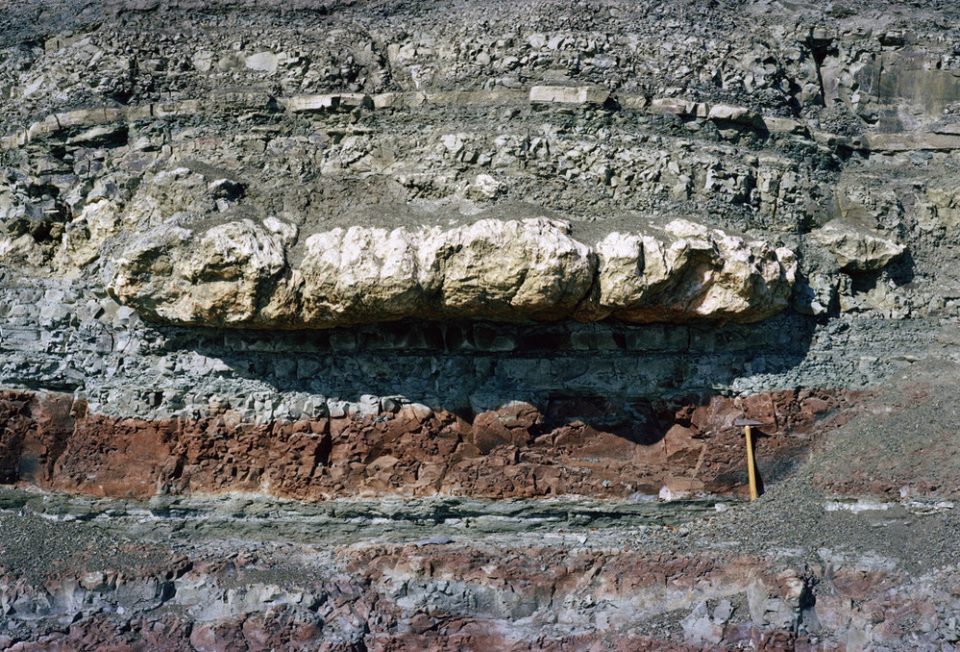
{"points": [[856, 247], [219, 277], [235, 274], [342, 325], [492, 269], [171, 596], [180, 259], [693, 272], [514, 451]]}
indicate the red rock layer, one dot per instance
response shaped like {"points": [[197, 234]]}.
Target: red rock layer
{"points": [[516, 451]]}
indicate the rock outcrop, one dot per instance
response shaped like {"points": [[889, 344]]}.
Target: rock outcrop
{"points": [[235, 274], [688, 445], [345, 325], [219, 277], [491, 269], [856, 247], [690, 271]]}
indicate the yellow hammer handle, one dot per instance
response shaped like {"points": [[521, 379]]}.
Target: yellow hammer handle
{"points": [[751, 466]]}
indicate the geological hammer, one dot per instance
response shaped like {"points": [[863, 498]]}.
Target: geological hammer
{"points": [[748, 424]]}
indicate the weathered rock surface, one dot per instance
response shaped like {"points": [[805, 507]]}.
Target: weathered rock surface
{"points": [[234, 274], [467, 259], [856, 247], [511, 452], [691, 273], [491, 269], [220, 277], [378, 576]]}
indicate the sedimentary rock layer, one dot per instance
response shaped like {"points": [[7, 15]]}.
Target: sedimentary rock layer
{"points": [[210, 575], [245, 244], [236, 274], [515, 451], [371, 588]]}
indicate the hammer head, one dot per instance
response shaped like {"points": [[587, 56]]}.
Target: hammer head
{"points": [[747, 422]]}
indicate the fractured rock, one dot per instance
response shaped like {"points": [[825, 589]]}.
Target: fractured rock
{"points": [[490, 269], [691, 271], [497, 269], [856, 247], [59, 444], [735, 114], [219, 277], [262, 62], [513, 270], [569, 95], [699, 628], [315, 103]]}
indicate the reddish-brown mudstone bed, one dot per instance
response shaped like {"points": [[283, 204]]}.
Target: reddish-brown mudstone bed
{"points": [[52, 441]]}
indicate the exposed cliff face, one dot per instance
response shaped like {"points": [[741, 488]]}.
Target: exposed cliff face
{"points": [[508, 272]]}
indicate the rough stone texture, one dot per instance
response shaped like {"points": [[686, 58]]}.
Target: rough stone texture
{"points": [[96, 574], [490, 269], [63, 335], [855, 247], [234, 274], [579, 447], [569, 95], [321, 249], [217, 278], [903, 444], [695, 272]]}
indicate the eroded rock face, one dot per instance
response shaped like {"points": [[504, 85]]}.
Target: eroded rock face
{"points": [[235, 273], [194, 253], [451, 593], [272, 167], [515, 451], [690, 271], [220, 276], [856, 247], [491, 269]]}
